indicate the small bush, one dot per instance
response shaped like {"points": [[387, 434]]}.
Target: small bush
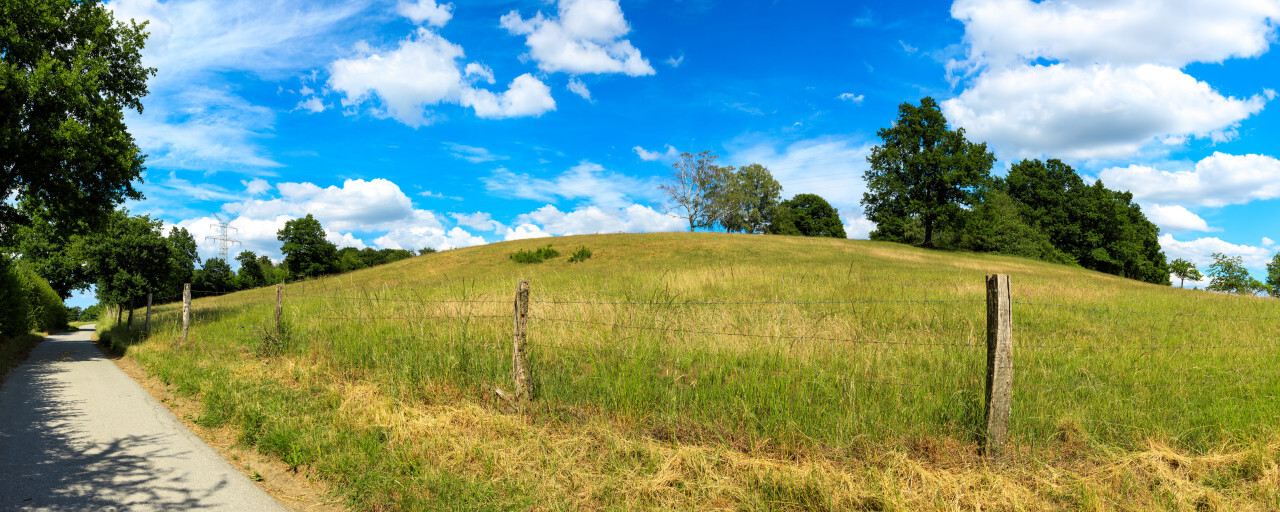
{"points": [[535, 256], [582, 254]]}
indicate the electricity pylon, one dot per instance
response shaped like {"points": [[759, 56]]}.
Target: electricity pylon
{"points": [[223, 237]]}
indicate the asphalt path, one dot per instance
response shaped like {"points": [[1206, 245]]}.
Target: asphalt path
{"points": [[76, 433]]}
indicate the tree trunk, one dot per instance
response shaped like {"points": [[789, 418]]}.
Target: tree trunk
{"points": [[119, 311], [928, 232], [130, 312], [1182, 281]]}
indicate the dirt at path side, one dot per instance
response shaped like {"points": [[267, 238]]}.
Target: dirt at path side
{"points": [[294, 489]]}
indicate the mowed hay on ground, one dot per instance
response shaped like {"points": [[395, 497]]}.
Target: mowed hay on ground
{"points": [[767, 357]]}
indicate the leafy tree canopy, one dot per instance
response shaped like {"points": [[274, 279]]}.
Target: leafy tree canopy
{"points": [[807, 215], [1184, 270], [1228, 275], [122, 258], [214, 276], [67, 72], [306, 251], [923, 170], [748, 197], [250, 275]]}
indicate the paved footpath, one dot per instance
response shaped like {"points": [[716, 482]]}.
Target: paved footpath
{"points": [[76, 433]]}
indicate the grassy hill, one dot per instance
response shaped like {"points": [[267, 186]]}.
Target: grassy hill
{"points": [[698, 371]]}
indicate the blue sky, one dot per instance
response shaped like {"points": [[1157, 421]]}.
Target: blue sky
{"points": [[423, 124]]}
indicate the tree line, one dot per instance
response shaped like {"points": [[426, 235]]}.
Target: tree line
{"points": [[129, 256], [1227, 275], [929, 185], [744, 200]]}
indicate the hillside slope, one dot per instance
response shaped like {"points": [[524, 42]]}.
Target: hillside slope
{"points": [[701, 370]]}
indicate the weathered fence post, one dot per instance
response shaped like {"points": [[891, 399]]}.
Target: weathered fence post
{"points": [[279, 307], [186, 311], [999, 362], [146, 326], [520, 365]]}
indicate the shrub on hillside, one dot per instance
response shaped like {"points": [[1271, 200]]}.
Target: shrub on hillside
{"points": [[582, 254], [535, 256]]}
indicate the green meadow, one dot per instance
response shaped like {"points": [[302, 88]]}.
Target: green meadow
{"points": [[715, 371]]}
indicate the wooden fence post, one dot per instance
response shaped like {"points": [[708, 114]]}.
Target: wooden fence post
{"points": [[279, 307], [186, 311], [999, 362], [519, 364], [147, 325]]}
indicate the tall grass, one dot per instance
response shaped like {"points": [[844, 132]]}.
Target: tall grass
{"points": [[791, 347]]}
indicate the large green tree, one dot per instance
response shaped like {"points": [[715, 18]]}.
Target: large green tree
{"points": [[214, 276], [122, 258], [250, 275], [306, 251], [922, 170], [183, 258], [67, 73], [748, 198], [1051, 197], [806, 215]]}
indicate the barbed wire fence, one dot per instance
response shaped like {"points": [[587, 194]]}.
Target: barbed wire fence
{"points": [[993, 384]]}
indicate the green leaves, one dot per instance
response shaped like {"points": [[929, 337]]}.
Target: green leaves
{"points": [[1184, 270], [1228, 275], [123, 258], [307, 252], [922, 169], [807, 215], [67, 72]]}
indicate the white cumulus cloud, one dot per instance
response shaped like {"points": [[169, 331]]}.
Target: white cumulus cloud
{"points": [[1167, 32], [423, 71], [584, 37], [1217, 180], [1101, 79], [550, 221], [1200, 251], [426, 10], [1097, 111], [419, 237], [1176, 218], [526, 96]]}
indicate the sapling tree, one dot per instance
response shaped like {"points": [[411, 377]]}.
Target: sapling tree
{"points": [[1184, 270]]}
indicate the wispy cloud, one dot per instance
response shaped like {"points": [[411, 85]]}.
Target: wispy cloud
{"points": [[473, 154]]}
